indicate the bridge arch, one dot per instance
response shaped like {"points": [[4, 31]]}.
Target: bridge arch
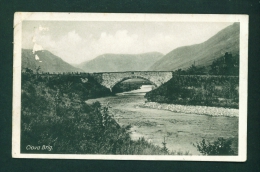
{"points": [[132, 77], [110, 79]]}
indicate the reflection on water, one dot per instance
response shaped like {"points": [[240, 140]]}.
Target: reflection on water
{"points": [[144, 89]]}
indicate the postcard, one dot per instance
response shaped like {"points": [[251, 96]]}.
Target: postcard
{"points": [[130, 86]]}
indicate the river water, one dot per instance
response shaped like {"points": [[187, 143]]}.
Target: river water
{"points": [[180, 130]]}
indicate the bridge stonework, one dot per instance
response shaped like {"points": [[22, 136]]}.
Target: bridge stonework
{"points": [[109, 80]]}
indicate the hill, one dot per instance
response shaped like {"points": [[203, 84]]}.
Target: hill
{"points": [[121, 62], [47, 61], [226, 40]]}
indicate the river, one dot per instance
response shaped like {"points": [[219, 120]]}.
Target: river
{"points": [[180, 130]]}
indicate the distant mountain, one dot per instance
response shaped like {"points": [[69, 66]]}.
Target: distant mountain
{"points": [[47, 61], [121, 62], [226, 40]]}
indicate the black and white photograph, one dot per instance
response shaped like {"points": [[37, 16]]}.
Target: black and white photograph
{"points": [[130, 86]]}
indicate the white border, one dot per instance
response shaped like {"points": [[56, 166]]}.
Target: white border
{"points": [[242, 137]]}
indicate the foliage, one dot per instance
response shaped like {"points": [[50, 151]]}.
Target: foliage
{"points": [[54, 113], [220, 91], [220, 146], [196, 70], [225, 65], [165, 149], [129, 85]]}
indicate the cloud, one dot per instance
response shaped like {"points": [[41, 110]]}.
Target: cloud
{"points": [[80, 42], [33, 38], [74, 48], [120, 42], [73, 37], [71, 47], [163, 42]]}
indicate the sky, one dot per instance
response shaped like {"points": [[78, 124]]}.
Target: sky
{"points": [[79, 41]]}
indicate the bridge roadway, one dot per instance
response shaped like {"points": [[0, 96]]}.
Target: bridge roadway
{"points": [[110, 79]]}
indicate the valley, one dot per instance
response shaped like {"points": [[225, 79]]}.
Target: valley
{"points": [[138, 104], [180, 130]]}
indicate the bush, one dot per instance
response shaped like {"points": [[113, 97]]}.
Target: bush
{"points": [[54, 113], [218, 91], [219, 147]]}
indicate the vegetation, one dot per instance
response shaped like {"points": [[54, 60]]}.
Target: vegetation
{"points": [[224, 65], [192, 70], [219, 147], [54, 114], [129, 85], [218, 91]]}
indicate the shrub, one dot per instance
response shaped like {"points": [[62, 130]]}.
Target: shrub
{"points": [[165, 149], [219, 147], [198, 90], [54, 113]]}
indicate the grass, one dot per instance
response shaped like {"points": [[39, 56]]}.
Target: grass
{"points": [[220, 146], [56, 115], [215, 91], [178, 128]]}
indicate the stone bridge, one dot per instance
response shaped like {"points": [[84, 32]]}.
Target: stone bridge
{"points": [[110, 79]]}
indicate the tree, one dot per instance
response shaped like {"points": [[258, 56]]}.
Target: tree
{"points": [[28, 70], [225, 65], [219, 147], [195, 70]]}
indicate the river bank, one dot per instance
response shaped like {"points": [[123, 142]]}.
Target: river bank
{"points": [[179, 129], [200, 110]]}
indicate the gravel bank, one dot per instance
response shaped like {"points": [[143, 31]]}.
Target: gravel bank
{"points": [[201, 110]]}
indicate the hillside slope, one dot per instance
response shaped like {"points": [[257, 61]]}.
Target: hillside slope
{"points": [[226, 40], [47, 61], [121, 62]]}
